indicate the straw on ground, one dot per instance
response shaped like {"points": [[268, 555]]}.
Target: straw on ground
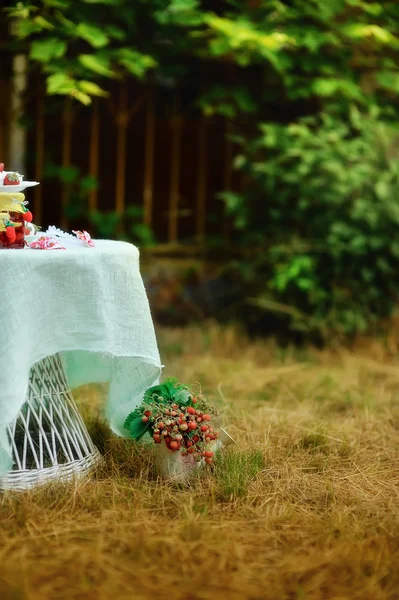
{"points": [[305, 507]]}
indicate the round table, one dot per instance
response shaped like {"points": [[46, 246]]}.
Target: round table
{"points": [[68, 318]]}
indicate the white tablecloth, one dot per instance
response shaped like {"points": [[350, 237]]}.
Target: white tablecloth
{"points": [[90, 305]]}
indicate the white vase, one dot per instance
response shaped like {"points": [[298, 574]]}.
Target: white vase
{"points": [[173, 465], [223, 440], [176, 467]]}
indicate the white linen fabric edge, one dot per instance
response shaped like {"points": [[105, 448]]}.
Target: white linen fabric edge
{"points": [[89, 305]]}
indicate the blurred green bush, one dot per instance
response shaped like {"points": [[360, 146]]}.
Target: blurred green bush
{"points": [[320, 218]]}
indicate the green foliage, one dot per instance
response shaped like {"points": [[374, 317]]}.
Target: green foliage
{"points": [[227, 101], [77, 184], [323, 214], [236, 471], [74, 42], [124, 226], [319, 207], [320, 48], [166, 393], [135, 425]]}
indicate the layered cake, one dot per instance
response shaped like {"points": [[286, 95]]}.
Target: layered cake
{"points": [[14, 214]]}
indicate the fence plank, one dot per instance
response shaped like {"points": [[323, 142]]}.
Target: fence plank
{"points": [[228, 156], [174, 189], [202, 179], [228, 171], [148, 191], [4, 120], [39, 151], [122, 119], [67, 120], [94, 152], [3, 154], [17, 132]]}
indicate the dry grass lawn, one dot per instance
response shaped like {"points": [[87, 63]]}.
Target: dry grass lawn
{"points": [[306, 506]]}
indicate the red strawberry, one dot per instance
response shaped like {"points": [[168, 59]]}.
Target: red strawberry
{"points": [[192, 425], [191, 410], [10, 233], [11, 179], [1, 167], [173, 445], [28, 218], [208, 454]]}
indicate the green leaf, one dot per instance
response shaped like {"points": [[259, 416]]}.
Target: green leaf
{"points": [[243, 35], [389, 80], [167, 390], [182, 396], [81, 97], [89, 183], [97, 63], [137, 428], [372, 8], [21, 10], [57, 3], [233, 201], [60, 83], [224, 109], [186, 13], [138, 412], [373, 32], [68, 174], [106, 223], [161, 390], [91, 88], [24, 28], [135, 62], [111, 2], [143, 234], [115, 32], [47, 49], [325, 87], [43, 23], [92, 34], [244, 100]]}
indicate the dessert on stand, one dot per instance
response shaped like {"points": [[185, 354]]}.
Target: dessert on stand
{"points": [[15, 217]]}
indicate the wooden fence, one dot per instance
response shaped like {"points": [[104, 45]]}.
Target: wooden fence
{"points": [[159, 155]]}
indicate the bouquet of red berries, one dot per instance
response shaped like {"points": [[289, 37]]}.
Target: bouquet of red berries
{"points": [[176, 417]]}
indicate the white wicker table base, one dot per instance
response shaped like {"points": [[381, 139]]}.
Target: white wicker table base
{"points": [[49, 439]]}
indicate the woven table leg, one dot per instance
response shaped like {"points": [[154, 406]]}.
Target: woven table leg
{"points": [[49, 440]]}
